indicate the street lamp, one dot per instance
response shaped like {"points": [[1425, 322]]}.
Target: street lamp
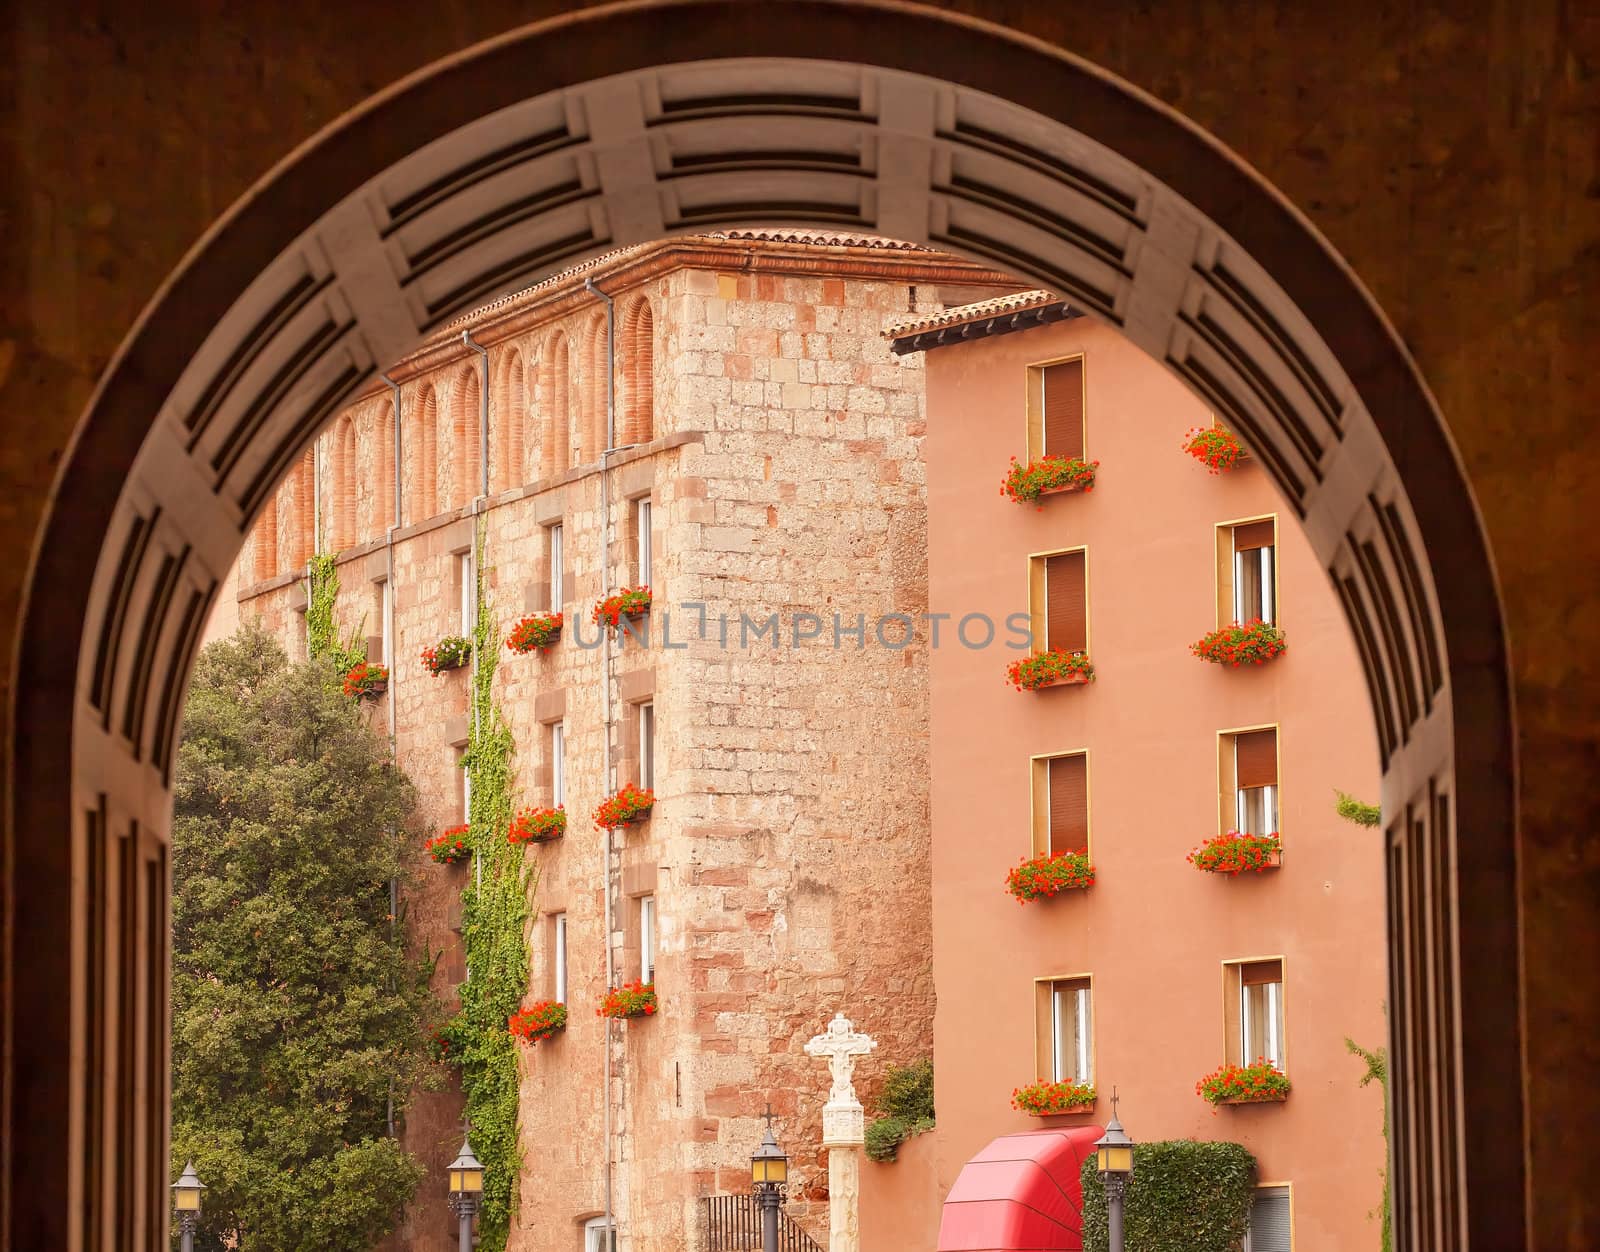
{"points": [[186, 1204], [466, 1187], [769, 1171], [1113, 1153]]}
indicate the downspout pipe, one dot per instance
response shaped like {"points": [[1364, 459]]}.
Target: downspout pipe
{"points": [[605, 767], [387, 626]]}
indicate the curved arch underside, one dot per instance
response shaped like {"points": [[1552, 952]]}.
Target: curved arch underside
{"points": [[455, 189]]}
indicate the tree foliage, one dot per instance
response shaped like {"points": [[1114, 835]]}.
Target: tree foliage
{"points": [[1377, 1063], [1184, 1196], [1357, 811], [906, 1108], [296, 1010]]}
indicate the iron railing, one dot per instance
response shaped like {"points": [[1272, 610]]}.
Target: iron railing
{"points": [[733, 1224]]}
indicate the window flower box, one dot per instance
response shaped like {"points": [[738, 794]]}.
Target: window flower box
{"points": [[1056, 668], [1215, 447], [629, 602], [1253, 642], [628, 807], [537, 826], [450, 846], [366, 681], [1044, 877], [1234, 853], [538, 633], [634, 999], [538, 1022], [451, 652], [1054, 1099], [1047, 476], [1260, 1083]]}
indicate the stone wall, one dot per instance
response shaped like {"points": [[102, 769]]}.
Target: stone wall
{"points": [[788, 850]]}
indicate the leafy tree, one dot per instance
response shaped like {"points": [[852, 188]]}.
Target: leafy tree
{"points": [[906, 1108], [1184, 1196], [296, 1010]]}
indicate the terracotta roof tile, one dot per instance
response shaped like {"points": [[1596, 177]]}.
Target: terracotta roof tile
{"points": [[961, 314]]}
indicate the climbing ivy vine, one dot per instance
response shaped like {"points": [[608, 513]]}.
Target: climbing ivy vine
{"points": [[322, 631], [495, 911]]}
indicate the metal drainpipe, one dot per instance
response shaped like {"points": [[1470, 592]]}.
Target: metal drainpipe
{"points": [[483, 413], [605, 768], [387, 626]]}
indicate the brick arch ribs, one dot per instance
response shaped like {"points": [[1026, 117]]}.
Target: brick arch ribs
{"points": [[456, 187]]}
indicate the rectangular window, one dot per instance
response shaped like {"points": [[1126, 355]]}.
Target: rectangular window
{"points": [[1255, 1016], [465, 790], [1250, 781], [1063, 1015], [641, 524], [1056, 403], [558, 764], [1247, 572], [597, 1237], [1058, 589], [1271, 1220], [558, 956], [557, 567], [467, 586], [1060, 804], [647, 938], [647, 745]]}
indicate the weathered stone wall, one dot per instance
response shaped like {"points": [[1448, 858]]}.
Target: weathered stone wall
{"points": [[788, 850]]}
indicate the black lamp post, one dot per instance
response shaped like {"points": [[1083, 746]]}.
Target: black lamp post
{"points": [[769, 1171], [466, 1189], [186, 1204], [1113, 1153]]}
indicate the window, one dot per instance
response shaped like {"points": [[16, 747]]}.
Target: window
{"points": [[466, 785], [647, 745], [1247, 587], [641, 525], [557, 567], [1255, 1014], [386, 622], [1060, 804], [558, 956], [1058, 589], [1063, 1015], [647, 938], [558, 764], [598, 1237], [1056, 405], [1271, 1220], [467, 587], [1250, 781]]}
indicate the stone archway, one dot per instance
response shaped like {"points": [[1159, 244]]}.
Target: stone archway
{"points": [[569, 138]]}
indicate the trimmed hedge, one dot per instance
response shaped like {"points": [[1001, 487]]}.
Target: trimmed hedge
{"points": [[907, 1108], [1184, 1196]]}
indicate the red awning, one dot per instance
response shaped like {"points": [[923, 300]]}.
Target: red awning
{"points": [[1020, 1194]]}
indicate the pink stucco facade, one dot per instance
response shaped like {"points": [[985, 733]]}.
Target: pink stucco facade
{"points": [[1152, 934]]}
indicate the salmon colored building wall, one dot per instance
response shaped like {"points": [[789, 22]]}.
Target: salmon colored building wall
{"points": [[1152, 932]]}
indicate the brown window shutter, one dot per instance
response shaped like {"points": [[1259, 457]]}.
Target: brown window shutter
{"points": [[1256, 758], [1066, 615], [1063, 409], [1253, 535], [1257, 973], [1069, 804]]}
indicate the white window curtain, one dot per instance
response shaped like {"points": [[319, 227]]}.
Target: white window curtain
{"points": [[557, 562]]}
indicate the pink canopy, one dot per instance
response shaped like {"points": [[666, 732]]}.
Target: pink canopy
{"points": [[1020, 1194]]}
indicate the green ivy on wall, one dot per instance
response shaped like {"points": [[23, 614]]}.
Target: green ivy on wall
{"points": [[322, 630], [1377, 1063], [1184, 1196], [495, 910]]}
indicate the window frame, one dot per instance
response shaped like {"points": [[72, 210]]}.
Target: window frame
{"points": [[558, 763], [1234, 1025], [1038, 599], [1223, 573], [1287, 1188], [595, 1231], [558, 956], [1045, 991], [466, 576], [649, 923], [645, 714], [556, 557], [1039, 799], [1033, 402], [643, 541], [1228, 789]]}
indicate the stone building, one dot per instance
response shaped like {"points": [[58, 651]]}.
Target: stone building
{"points": [[765, 480]]}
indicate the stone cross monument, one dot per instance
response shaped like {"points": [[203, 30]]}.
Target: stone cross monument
{"points": [[843, 1130]]}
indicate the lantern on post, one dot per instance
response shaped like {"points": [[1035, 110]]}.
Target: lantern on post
{"points": [[1113, 1156]]}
